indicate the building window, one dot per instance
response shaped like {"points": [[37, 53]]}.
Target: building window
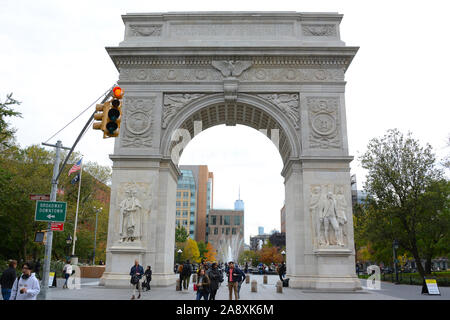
{"points": [[227, 231], [178, 203], [185, 213], [233, 231], [216, 230], [178, 194], [223, 230], [221, 220], [237, 220], [185, 222], [178, 213], [226, 220], [185, 194], [213, 220], [185, 204]]}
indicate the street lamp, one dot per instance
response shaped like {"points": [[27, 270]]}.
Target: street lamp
{"points": [[395, 247], [97, 210], [283, 253], [179, 255], [68, 242]]}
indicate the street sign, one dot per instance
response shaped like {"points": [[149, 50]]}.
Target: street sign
{"points": [[50, 279], [43, 197], [56, 226], [50, 211], [430, 286]]}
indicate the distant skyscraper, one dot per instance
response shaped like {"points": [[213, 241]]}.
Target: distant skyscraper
{"points": [[239, 204], [260, 231]]}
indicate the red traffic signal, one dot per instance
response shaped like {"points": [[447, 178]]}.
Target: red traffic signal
{"points": [[118, 92]]}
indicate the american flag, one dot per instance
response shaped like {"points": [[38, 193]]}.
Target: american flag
{"points": [[76, 167]]}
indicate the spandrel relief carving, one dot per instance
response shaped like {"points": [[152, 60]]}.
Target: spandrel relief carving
{"points": [[173, 103], [287, 103]]}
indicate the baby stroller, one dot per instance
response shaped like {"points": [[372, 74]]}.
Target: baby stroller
{"points": [[146, 283]]}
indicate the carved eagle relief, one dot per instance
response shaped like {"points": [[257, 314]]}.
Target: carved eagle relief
{"points": [[231, 68]]}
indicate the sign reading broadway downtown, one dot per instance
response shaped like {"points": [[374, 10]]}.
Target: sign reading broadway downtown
{"points": [[50, 211]]}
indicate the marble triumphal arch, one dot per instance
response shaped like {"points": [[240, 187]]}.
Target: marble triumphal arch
{"points": [[279, 72]]}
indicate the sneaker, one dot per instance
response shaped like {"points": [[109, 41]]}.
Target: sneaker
{"points": [[132, 298], [139, 296]]}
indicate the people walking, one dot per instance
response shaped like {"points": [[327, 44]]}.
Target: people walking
{"points": [[67, 272], [203, 285], [233, 276], [7, 279], [240, 280], [25, 287], [148, 277], [282, 271], [136, 273], [246, 268], [186, 274], [216, 278]]}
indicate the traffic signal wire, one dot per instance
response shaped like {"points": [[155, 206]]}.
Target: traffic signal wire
{"points": [[106, 92]]}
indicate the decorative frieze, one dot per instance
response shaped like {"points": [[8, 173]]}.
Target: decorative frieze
{"points": [[137, 122], [287, 74], [324, 122], [173, 103], [319, 30], [144, 30], [168, 74]]}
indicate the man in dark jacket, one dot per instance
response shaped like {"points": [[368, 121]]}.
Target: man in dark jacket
{"points": [[136, 271], [7, 279], [234, 274], [215, 277], [186, 274], [241, 278]]}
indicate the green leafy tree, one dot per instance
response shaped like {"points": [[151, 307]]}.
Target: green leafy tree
{"points": [[399, 172], [247, 256], [6, 110], [181, 234], [202, 249]]}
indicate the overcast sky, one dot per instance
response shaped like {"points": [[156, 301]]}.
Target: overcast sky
{"points": [[53, 58]]}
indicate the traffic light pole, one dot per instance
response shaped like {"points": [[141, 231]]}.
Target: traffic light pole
{"points": [[48, 244]]}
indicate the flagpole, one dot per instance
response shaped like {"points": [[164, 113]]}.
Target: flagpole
{"points": [[76, 214]]}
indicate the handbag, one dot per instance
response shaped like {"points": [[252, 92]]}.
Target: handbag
{"points": [[195, 287], [134, 279]]}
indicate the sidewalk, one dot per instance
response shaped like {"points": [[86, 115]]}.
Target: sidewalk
{"points": [[90, 290]]}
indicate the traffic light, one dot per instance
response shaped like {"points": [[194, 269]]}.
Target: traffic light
{"points": [[109, 114], [114, 112], [100, 116]]}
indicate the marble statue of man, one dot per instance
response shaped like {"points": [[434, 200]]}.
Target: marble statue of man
{"points": [[130, 213], [341, 207], [314, 207], [328, 213]]}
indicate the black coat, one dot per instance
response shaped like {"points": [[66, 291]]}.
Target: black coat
{"points": [[8, 278], [187, 270], [148, 274], [216, 277]]}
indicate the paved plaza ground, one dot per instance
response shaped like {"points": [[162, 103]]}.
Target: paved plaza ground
{"points": [[90, 290]]}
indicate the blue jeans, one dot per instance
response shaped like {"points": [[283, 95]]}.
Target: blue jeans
{"points": [[6, 294], [202, 293]]}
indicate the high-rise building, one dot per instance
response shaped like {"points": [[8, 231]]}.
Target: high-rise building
{"points": [[194, 200], [260, 231], [239, 204]]}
